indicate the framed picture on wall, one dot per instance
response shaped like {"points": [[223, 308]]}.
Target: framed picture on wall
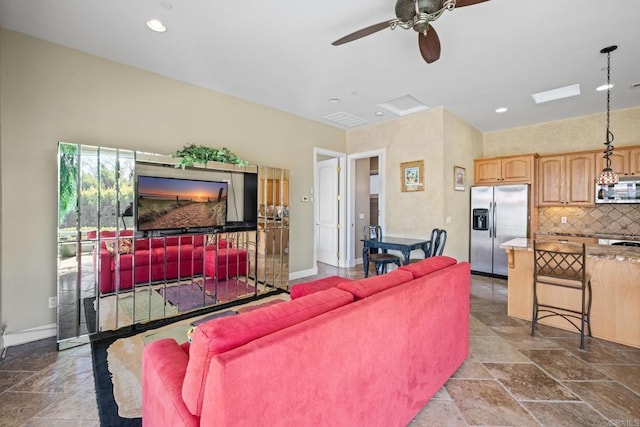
{"points": [[412, 175], [459, 178]]}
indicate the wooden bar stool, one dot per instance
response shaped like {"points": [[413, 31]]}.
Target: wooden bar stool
{"points": [[561, 265]]}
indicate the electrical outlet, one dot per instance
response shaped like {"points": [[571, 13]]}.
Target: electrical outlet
{"points": [[53, 302], [563, 219]]}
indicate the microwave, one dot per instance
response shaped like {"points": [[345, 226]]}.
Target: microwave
{"points": [[625, 191]]}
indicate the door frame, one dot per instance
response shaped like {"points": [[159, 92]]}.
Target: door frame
{"points": [[352, 237], [342, 217]]}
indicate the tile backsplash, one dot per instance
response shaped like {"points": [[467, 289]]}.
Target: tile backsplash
{"points": [[603, 219]]}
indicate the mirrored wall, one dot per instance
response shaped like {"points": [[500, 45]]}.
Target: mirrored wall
{"points": [[126, 255], [273, 227]]}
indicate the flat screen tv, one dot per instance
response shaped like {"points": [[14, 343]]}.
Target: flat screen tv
{"points": [[176, 203]]}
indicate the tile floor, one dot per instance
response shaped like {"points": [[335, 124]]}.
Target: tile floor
{"points": [[509, 379]]}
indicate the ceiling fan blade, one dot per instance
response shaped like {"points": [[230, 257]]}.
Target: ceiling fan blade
{"points": [[363, 32], [463, 3], [429, 45]]}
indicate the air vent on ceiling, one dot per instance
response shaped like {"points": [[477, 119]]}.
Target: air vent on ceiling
{"points": [[404, 105], [345, 120]]}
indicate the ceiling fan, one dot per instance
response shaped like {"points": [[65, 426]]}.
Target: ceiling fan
{"points": [[416, 15]]}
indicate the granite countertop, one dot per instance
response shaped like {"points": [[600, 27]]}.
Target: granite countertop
{"points": [[619, 253], [631, 237]]}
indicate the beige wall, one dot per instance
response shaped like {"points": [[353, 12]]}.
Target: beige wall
{"points": [[462, 143], [50, 93], [442, 141], [577, 134]]}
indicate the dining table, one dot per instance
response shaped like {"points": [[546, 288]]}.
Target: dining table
{"points": [[403, 244]]}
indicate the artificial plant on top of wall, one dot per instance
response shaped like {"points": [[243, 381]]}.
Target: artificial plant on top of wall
{"points": [[192, 154]]}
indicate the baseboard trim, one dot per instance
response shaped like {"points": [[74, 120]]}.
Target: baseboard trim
{"points": [[29, 335], [303, 273]]}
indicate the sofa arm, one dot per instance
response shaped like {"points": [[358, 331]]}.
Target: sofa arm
{"points": [[103, 270], [164, 364]]}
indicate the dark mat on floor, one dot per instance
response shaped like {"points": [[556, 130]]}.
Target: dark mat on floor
{"points": [[107, 407]]}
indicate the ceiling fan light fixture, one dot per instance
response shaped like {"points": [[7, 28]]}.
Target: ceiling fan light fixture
{"points": [[156, 25], [608, 176]]}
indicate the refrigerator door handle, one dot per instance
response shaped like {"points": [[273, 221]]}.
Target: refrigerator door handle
{"points": [[490, 220], [495, 218]]}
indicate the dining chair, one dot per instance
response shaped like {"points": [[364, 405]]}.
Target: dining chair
{"points": [[380, 260], [438, 240], [436, 244], [561, 265]]}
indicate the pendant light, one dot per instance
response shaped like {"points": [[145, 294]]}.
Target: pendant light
{"points": [[608, 176]]}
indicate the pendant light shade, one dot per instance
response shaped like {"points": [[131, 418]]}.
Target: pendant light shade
{"points": [[608, 176]]}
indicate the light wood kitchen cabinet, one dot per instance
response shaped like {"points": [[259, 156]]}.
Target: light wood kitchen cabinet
{"points": [[276, 192], [566, 179], [634, 161], [504, 170], [624, 161]]}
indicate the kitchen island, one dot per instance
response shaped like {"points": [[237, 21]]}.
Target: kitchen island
{"points": [[615, 283]]}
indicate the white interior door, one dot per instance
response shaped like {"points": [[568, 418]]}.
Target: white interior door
{"points": [[328, 214]]}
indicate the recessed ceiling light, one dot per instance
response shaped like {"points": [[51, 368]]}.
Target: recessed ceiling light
{"points": [[554, 94], [379, 113], [334, 100], [501, 110], [156, 25], [604, 87]]}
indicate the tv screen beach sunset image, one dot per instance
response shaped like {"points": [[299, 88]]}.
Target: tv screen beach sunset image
{"points": [[172, 203]]}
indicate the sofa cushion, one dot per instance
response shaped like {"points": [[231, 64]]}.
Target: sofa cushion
{"points": [[374, 284], [222, 334], [306, 288], [182, 252], [428, 265]]}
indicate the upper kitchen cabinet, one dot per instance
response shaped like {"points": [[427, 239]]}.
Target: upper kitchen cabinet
{"points": [[566, 179], [504, 170], [624, 161]]}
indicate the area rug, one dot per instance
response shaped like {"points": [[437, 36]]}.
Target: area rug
{"points": [[187, 297], [117, 364], [227, 290], [117, 311], [143, 306]]}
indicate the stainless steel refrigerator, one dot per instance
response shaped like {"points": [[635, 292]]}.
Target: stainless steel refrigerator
{"points": [[498, 214]]}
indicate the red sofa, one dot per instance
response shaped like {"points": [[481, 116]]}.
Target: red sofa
{"points": [[369, 352], [157, 259]]}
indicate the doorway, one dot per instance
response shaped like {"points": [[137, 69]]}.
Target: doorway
{"points": [[329, 207], [365, 195], [354, 181]]}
